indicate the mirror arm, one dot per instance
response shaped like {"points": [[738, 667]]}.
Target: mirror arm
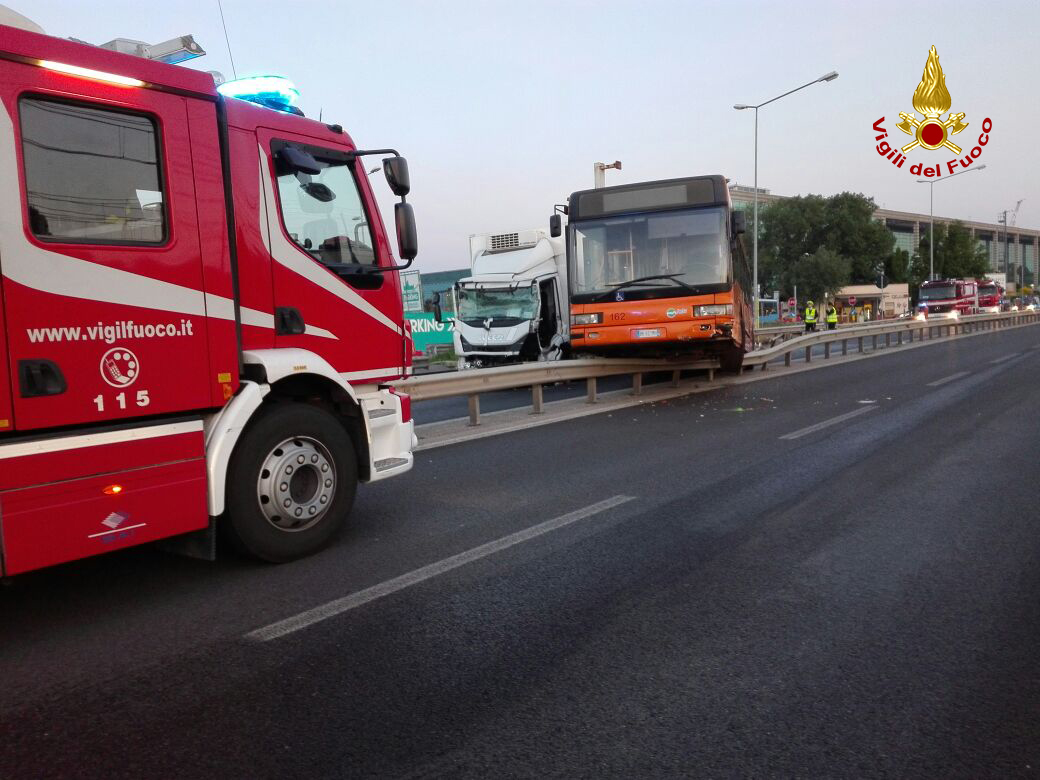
{"points": [[352, 156]]}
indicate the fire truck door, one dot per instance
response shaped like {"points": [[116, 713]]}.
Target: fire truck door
{"points": [[99, 252], [317, 225]]}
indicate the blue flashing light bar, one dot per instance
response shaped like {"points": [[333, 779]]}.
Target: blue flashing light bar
{"points": [[275, 92]]}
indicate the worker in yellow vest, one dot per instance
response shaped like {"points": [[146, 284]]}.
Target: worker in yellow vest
{"points": [[832, 317], [810, 316]]}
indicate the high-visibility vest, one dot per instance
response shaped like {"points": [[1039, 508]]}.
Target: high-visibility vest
{"points": [[810, 314], [832, 315]]}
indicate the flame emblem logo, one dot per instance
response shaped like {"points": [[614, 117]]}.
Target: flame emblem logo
{"points": [[932, 100]]}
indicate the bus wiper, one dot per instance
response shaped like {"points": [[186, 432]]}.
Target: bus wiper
{"points": [[630, 282]]}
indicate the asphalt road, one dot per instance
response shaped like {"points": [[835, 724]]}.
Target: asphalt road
{"points": [[834, 573]]}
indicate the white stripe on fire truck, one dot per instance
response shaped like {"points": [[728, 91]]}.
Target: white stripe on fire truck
{"points": [[224, 309], [290, 257], [58, 274], [44, 446], [372, 373]]}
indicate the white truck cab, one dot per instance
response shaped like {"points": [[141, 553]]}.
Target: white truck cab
{"points": [[513, 308]]}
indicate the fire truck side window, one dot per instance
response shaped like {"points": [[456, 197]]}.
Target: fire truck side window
{"points": [[323, 213], [92, 175]]}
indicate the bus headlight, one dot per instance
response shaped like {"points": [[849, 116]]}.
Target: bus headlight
{"points": [[587, 319], [714, 310]]}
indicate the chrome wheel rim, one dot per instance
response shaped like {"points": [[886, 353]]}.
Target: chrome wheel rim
{"points": [[296, 484]]}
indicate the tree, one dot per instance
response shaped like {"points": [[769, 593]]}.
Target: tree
{"points": [[819, 275], [957, 254], [843, 224]]}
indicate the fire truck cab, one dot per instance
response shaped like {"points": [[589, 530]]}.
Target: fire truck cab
{"points": [[200, 311]]}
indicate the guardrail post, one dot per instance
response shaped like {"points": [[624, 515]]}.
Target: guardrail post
{"points": [[910, 335], [888, 339], [808, 354], [711, 373], [787, 359], [474, 409], [899, 339], [590, 383], [827, 351], [536, 399], [861, 344], [675, 378], [874, 342], [637, 384], [844, 347]]}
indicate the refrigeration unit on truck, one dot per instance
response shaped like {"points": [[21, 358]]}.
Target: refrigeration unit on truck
{"points": [[513, 307], [658, 269], [200, 311]]}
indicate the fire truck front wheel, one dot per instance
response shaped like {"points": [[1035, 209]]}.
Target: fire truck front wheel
{"points": [[291, 483]]}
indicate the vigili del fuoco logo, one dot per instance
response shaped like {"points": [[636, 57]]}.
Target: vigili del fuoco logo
{"points": [[932, 100]]}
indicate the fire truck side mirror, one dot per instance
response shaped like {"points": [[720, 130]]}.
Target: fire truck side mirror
{"points": [[555, 226], [407, 241], [396, 171], [292, 159]]}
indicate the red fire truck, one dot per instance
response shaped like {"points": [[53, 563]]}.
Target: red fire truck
{"points": [[948, 298], [200, 310], [991, 297]]}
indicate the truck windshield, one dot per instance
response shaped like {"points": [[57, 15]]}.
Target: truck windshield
{"points": [[938, 292], [505, 306], [689, 246]]}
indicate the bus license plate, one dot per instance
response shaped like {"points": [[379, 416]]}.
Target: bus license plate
{"points": [[647, 333]]}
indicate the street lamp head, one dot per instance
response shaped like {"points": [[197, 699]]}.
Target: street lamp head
{"points": [[740, 106], [829, 76]]}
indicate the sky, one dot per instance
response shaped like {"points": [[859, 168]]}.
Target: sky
{"points": [[503, 108]]}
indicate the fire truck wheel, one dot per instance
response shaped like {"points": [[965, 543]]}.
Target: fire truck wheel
{"points": [[291, 483]]}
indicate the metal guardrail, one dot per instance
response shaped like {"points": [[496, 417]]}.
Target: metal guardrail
{"points": [[922, 329], [473, 382]]}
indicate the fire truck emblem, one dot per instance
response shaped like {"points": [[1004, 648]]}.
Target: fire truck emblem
{"points": [[932, 99], [120, 367]]}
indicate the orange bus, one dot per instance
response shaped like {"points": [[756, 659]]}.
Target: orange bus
{"points": [[659, 269]]}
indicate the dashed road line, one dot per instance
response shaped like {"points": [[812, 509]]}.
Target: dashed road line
{"points": [[827, 423], [354, 600], [1005, 357], [949, 378]]}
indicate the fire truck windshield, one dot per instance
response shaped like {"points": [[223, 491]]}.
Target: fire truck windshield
{"points": [[938, 292], [689, 246]]}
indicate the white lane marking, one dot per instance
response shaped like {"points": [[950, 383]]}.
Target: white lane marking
{"points": [[116, 530], [949, 378], [1002, 359], [354, 600], [827, 423]]}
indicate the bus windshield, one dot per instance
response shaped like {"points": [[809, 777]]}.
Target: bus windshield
{"points": [[689, 246]]}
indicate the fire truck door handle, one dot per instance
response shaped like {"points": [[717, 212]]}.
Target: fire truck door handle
{"points": [[288, 321], [40, 377]]}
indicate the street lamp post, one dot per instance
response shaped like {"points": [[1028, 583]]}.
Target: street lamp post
{"points": [[740, 107], [931, 217]]}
